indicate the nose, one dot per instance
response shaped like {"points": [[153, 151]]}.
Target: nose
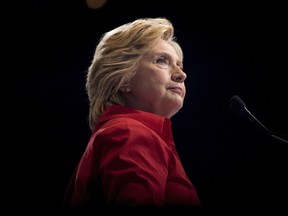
{"points": [[179, 75]]}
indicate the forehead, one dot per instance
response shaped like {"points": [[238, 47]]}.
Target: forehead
{"points": [[168, 48], [164, 45]]}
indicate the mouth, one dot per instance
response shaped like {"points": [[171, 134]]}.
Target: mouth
{"points": [[177, 90]]}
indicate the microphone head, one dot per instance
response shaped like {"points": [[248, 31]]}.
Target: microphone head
{"points": [[237, 105]]}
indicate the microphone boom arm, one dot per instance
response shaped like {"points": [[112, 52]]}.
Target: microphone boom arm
{"points": [[239, 107]]}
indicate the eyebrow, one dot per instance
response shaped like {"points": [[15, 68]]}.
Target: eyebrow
{"points": [[162, 53]]}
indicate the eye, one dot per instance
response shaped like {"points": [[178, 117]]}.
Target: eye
{"points": [[162, 60]]}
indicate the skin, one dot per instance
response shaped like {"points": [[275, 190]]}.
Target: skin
{"points": [[158, 86]]}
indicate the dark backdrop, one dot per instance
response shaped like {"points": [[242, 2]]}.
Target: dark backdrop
{"points": [[229, 49]]}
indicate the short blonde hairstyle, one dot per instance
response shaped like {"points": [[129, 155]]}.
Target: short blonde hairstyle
{"points": [[116, 60]]}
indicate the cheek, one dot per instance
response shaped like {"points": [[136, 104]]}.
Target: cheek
{"points": [[150, 79]]}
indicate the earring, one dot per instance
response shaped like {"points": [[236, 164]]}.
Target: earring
{"points": [[125, 89]]}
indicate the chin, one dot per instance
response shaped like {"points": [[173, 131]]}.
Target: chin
{"points": [[174, 111]]}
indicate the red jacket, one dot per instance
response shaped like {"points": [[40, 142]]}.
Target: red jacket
{"points": [[131, 160]]}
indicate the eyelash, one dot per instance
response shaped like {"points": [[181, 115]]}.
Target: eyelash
{"points": [[162, 60]]}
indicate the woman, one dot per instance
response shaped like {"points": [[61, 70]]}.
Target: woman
{"points": [[135, 84]]}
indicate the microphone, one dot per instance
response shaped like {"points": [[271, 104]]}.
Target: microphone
{"points": [[239, 107]]}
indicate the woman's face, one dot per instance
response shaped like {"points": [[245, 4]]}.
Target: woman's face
{"points": [[158, 85]]}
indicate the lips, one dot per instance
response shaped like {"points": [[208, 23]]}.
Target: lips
{"points": [[176, 90]]}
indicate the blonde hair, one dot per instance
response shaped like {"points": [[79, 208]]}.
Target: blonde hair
{"points": [[116, 60]]}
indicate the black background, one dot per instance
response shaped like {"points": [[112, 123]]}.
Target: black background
{"points": [[229, 49]]}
